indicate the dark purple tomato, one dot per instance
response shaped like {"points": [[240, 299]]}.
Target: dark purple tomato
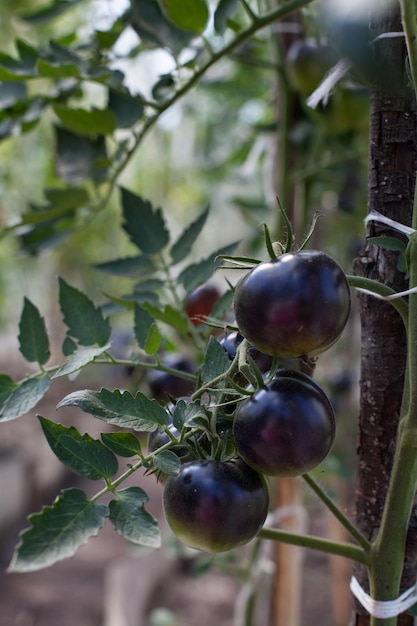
{"points": [[230, 343], [200, 302], [216, 506], [295, 306], [164, 385], [287, 428]]}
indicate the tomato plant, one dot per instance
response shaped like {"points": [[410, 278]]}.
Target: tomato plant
{"points": [[296, 305], [287, 428], [216, 506], [242, 418]]}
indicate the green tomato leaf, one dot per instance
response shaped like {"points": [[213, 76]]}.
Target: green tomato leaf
{"points": [[45, 14], [154, 29], [11, 93], [167, 462], [83, 455], [389, 243], [182, 246], [126, 108], [86, 123], [129, 518], [168, 315], [33, 338], [153, 340], [216, 361], [23, 397], [121, 409], [85, 322], [58, 531], [189, 15], [185, 414], [200, 272], [122, 444], [57, 70], [19, 69], [80, 158], [226, 9], [140, 265], [78, 359], [142, 326], [7, 385], [144, 225]]}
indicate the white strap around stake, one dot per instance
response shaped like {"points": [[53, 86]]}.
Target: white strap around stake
{"points": [[384, 609]]}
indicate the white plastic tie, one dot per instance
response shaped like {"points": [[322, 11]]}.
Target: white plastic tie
{"points": [[323, 91], [383, 609], [375, 216]]}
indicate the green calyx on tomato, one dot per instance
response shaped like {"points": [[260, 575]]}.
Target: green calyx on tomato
{"points": [[287, 428], [215, 505], [294, 306]]}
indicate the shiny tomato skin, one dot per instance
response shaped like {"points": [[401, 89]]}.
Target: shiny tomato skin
{"points": [[287, 428], [214, 505], [294, 306], [200, 302]]}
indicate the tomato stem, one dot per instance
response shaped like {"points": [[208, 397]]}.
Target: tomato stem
{"points": [[335, 510], [347, 550]]}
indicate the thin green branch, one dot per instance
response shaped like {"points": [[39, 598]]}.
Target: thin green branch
{"points": [[408, 17], [334, 509], [347, 550], [253, 17]]}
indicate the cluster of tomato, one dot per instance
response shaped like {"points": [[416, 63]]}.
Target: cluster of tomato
{"points": [[291, 308]]}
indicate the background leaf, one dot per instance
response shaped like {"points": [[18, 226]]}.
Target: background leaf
{"points": [[129, 518], [85, 322], [189, 15], [120, 409], [169, 316], [127, 109], [200, 272], [142, 325], [140, 265], [182, 246], [153, 340], [155, 29], [80, 158], [86, 123], [145, 227], [83, 455], [225, 10], [33, 338], [58, 531]]}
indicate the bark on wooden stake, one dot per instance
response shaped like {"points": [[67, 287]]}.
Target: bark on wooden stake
{"points": [[392, 168]]}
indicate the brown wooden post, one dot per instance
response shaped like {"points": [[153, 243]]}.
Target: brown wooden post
{"points": [[391, 181]]}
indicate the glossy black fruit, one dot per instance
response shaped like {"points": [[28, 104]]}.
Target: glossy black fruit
{"points": [[295, 306], [287, 428], [216, 506]]}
